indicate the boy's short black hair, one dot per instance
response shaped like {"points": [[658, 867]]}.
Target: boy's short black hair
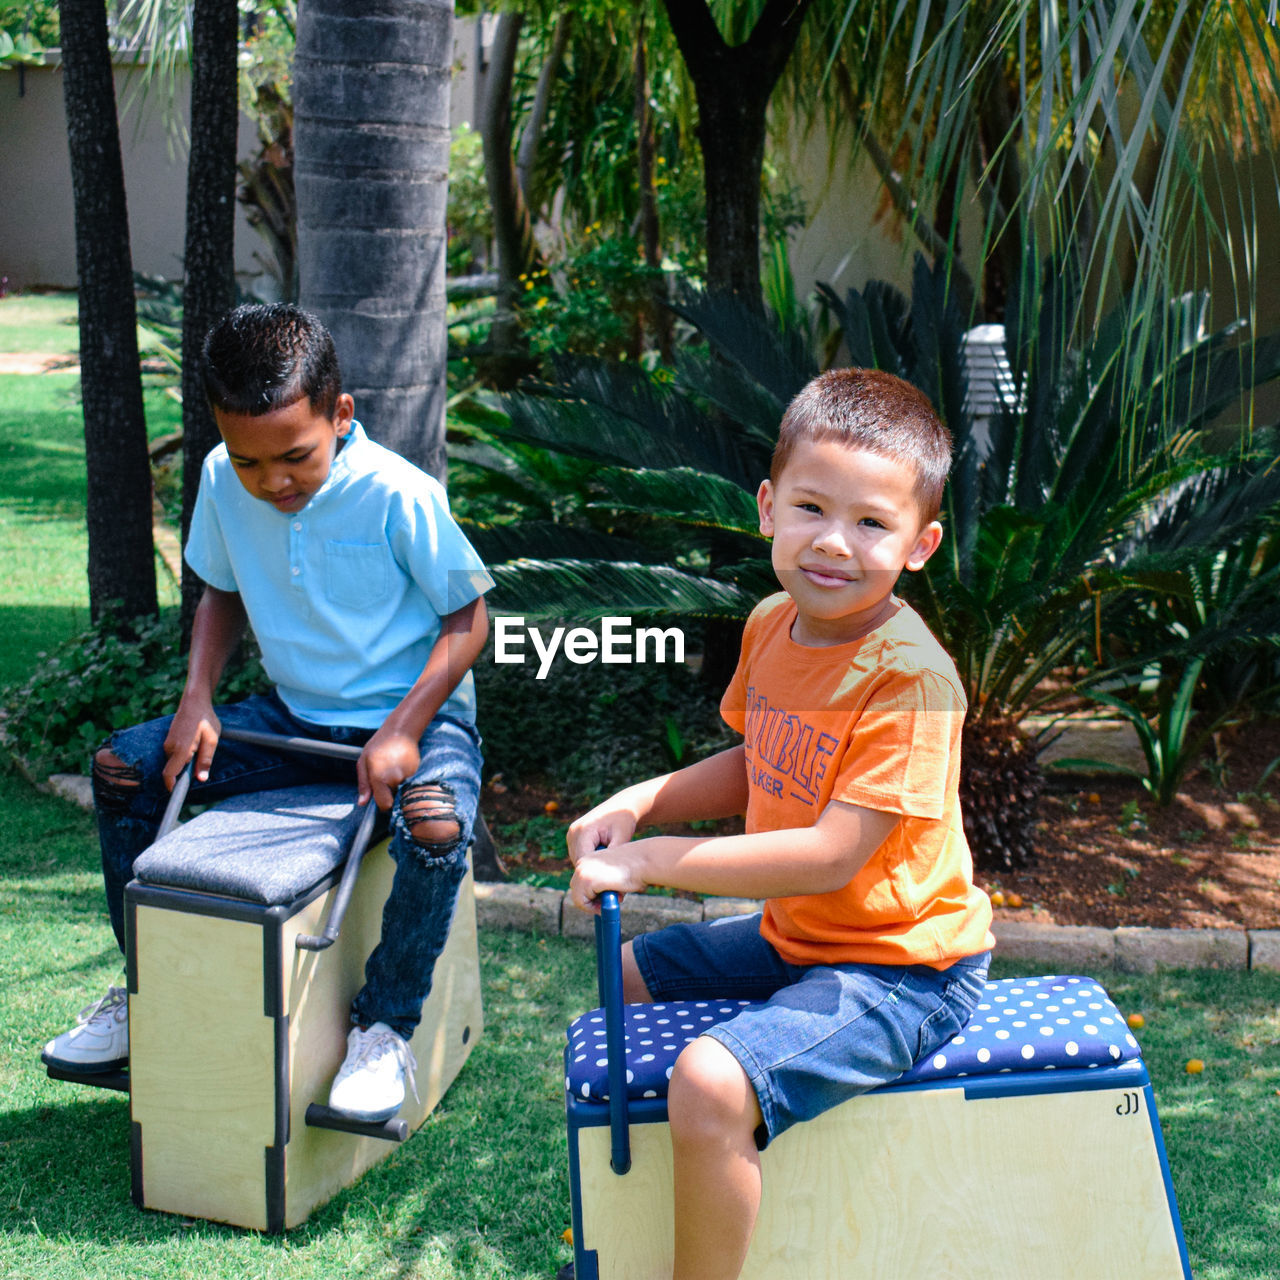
{"points": [[870, 409], [263, 356]]}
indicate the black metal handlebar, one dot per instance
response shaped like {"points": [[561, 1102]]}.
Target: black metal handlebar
{"points": [[359, 842]]}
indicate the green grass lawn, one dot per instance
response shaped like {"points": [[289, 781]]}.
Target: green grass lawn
{"points": [[44, 595], [481, 1190]]}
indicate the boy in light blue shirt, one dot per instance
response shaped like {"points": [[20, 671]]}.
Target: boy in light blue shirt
{"points": [[366, 600]]}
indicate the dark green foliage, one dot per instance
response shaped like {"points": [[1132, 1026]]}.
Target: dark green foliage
{"points": [[669, 463], [1092, 497], [1090, 526], [591, 729], [113, 675], [594, 304]]}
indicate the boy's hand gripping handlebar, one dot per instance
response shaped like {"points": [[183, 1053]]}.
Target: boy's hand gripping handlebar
{"points": [[359, 842]]}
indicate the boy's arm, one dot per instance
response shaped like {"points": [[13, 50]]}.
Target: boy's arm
{"points": [[215, 631], [766, 864], [391, 755], [712, 788]]}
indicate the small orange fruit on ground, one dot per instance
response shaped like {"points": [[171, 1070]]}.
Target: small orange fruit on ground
{"points": [[1013, 900], [1136, 1021], [552, 806], [1094, 798], [997, 899], [1194, 1066], [567, 1235]]}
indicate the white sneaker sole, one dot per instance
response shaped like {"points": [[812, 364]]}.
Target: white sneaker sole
{"points": [[84, 1068]]}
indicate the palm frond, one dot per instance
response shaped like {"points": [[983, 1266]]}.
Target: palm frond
{"points": [[544, 540], [683, 495], [592, 589], [777, 359], [616, 413]]}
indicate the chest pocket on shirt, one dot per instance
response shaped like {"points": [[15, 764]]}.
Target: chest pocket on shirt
{"points": [[356, 573]]}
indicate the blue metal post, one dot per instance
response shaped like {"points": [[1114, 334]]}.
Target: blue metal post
{"points": [[609, 963]]}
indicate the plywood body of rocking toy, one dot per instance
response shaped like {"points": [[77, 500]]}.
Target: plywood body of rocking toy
{"points": [[920, 1184], [234, 1032]]}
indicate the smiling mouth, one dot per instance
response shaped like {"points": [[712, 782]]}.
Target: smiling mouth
{"points": [[827, 577]]}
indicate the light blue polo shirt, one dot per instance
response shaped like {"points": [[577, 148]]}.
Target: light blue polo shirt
{"points": [[345, 596]]}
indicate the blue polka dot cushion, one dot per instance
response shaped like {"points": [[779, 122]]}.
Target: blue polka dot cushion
{"points": [[1033, 1024], [1020, 1024], [655, 1034]]}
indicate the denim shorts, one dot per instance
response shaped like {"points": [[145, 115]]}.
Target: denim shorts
{"points": [[822, 1033]]}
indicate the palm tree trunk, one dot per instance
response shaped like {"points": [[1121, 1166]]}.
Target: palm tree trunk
{"points": [[121, 553], [209, 286], [371, 100], [531, 134]]}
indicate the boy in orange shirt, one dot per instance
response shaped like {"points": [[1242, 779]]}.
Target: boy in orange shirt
{"points": [[873, 945]]}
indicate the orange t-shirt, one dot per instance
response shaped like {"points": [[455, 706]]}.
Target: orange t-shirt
{"points": [[875, 723]]}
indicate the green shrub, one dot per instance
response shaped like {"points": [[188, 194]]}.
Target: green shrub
{"points": [[594, 304], [584, 729], [108, 677], [588, 730]]}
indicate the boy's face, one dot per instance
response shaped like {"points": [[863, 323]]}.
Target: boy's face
{"points": [[844, 523], [283, 457]]}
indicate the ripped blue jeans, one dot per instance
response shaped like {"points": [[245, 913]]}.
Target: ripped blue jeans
{"points": [[419, 910]]}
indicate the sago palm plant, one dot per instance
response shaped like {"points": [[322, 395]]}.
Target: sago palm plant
{"points": [[1089, 494]]}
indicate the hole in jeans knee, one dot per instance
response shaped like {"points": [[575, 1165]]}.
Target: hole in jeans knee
{"points": [[427, 810], [114, 782]]}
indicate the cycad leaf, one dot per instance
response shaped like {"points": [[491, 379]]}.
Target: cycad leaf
{"points": [[681, 494], [778, 360], [615, 414], [544, 540], [592, 589]]}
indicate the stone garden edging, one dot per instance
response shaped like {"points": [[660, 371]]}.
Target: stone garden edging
{"points": [[1067, 947]]}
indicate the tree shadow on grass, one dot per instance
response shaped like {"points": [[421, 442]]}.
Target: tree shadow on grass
{"points": [[84, 970], [44, 479], [65, 1173], [65, 1169], [480, 1190], [32, 629]]}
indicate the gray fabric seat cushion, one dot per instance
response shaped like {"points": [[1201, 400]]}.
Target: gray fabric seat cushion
{"points": [[266, 846]]}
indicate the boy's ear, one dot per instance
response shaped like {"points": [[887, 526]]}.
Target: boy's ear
{"points": [[764, 504], [927, 542], [344, 412]]}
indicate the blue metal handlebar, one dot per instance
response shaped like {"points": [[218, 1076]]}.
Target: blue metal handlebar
{"points": [[609, 979]]}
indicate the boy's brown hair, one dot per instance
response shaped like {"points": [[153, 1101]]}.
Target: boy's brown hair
{"points": [[873, 410]]}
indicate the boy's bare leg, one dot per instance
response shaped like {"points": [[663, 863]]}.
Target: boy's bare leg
{"points": [[714, 1115], [634, 990]]}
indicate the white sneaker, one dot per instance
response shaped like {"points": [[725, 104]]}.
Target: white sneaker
{"points": [[370, 1084], [100, 1039]]}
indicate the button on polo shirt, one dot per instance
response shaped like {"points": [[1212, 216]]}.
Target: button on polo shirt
{"points": [[346, 596]]}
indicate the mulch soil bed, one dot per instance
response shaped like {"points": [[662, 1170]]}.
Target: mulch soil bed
{"points": [[1107, 855]]}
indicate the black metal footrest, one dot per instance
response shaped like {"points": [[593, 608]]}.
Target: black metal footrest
{"points": [[117, 1079], [321, 1117]]}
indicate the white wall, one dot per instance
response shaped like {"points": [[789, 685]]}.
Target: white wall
{"points": [[37, 229]]}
